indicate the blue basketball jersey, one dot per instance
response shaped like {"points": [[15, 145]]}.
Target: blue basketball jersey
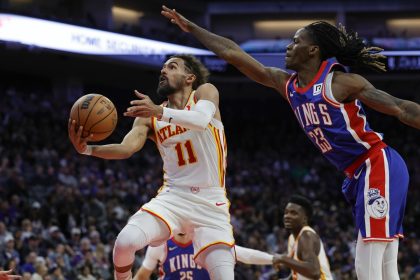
{"points": [[339, 130], [179, 263], [377, 177]]}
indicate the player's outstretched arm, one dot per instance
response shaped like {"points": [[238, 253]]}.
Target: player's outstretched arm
{"points": [[251, 256], [356, 87], [143, 274], [132, 142], [197, 119], [308, 265], [231, 52], [6, 275], [151, 260]]}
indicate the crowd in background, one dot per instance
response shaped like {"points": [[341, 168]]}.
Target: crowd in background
{"points": [[60, 211]]}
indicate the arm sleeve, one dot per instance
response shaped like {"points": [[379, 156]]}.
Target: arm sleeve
{"points": [[196, 119], [251, 256], [153, 254]]}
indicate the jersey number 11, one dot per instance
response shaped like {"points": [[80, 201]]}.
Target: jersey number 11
{"points": [[180, 147]]}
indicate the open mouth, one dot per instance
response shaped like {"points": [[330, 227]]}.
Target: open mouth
{"points": [[162, 79]]}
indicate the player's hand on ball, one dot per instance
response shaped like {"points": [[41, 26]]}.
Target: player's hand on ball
{"points": [[143, 107], [176, 18], [79, 143]]}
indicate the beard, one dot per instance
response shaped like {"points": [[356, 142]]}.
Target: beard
{"points": [[166, 89]]}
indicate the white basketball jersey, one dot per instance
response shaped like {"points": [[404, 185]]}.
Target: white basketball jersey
{"points": [[192, 158], [292, 248]]}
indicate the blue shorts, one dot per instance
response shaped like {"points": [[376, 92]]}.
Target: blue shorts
{"points": [[377, 192]]}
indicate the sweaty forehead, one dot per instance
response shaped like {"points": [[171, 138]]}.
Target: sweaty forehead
{"points": [[302, 34], [175, 60]]}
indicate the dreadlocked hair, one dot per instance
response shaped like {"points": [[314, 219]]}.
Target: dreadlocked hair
{"points": [[346, 47], [194, 66]]}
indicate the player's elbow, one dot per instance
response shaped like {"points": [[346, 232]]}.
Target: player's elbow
{"points": [[205, 123], [126, 155], [201, 122], [201, 127]]}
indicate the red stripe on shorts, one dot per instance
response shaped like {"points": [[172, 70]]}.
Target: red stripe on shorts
{"points": [[377, 181]]}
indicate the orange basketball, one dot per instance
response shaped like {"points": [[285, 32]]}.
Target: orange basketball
{"points": [[97, 115]]}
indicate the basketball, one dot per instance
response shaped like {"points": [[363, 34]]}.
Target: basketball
{"points": [[97, 115]]}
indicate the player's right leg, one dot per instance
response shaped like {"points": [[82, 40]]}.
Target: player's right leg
{"points": [[369, 259], [141, 230], [390, 261], [381, 189], [219, 260]]}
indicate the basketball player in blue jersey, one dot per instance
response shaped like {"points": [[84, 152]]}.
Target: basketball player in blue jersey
{"points": [[189, 134], [175, 260], [327, 102]]}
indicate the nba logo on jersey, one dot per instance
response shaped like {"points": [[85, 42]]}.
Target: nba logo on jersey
{"points": [[317, 89]]}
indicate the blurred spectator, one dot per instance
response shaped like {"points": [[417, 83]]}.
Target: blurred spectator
{"points": [[4, 234], [85, 273], [41, 270], [9, 253], [30, 261]]}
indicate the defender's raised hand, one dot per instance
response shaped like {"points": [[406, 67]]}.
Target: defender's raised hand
{"points": [[176, 18], [143, 107]]}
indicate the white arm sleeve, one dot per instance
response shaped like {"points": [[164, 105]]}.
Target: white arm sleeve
{"points": [[196, 119], [153, 255], [251, 256]]}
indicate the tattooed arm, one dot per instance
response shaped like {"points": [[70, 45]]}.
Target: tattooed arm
{"points": [[347, 87]]}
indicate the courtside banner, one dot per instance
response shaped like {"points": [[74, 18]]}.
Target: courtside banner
{"points": [[76, 39]]}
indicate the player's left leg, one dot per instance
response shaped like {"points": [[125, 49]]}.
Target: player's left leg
{"points": [[213, 235], [389, 263], [219, 260]]}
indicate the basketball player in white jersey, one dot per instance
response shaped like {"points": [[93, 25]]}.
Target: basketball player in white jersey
{"points": [[188, 132], [306, 255]]}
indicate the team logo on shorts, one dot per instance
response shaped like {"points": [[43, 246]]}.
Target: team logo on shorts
{"points": [[377, 206]]}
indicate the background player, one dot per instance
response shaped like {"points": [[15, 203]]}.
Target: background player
{"points": [[189, 135], [175, 260], [306, 255], [327, 104]]}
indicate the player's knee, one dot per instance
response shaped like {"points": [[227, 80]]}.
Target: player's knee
{"points": [[129, 240], [219, 256]]}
